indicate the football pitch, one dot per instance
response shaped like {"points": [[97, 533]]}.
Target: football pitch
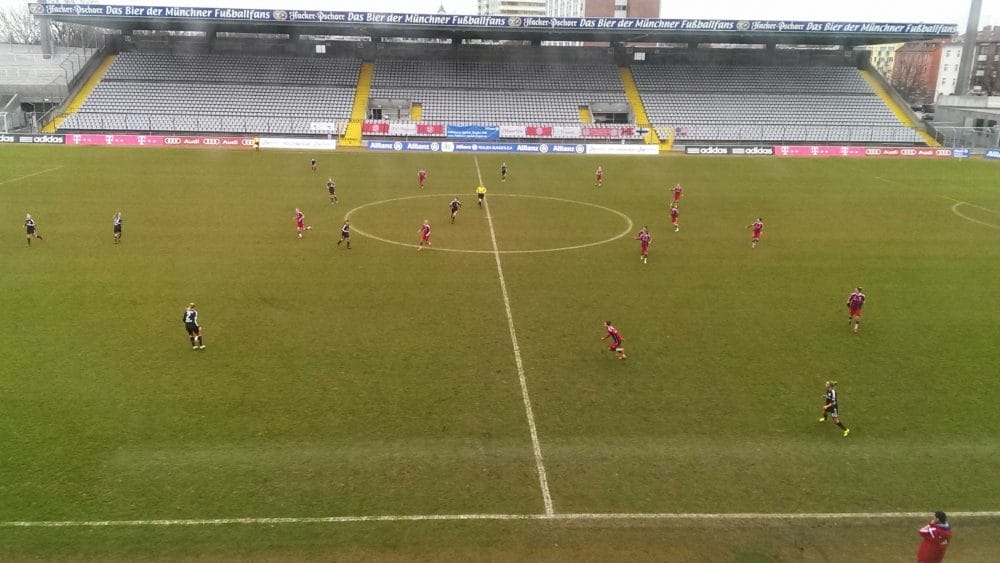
{"points": [[458, 403]]}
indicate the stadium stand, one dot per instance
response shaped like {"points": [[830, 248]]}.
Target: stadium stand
{"points": [[219, 93], [498, 92], [732, 103]]}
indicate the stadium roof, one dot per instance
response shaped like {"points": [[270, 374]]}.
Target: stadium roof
{"points": [[378, 24]]}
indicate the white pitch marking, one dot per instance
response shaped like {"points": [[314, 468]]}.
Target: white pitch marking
{"points": [[543, 481], [958, 203], [496, 517], [628, 228], [30, 175]]}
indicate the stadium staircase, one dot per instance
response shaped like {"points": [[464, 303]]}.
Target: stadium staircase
{"points": [[585, 115], [898, 111], [352, 137], [416, 112], [632, 94], [81, 95]]}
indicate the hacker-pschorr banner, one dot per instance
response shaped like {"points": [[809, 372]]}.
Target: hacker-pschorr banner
{"points": [[32, 139], [515, 22]]}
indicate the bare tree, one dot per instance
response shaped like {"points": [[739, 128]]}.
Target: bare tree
{"points": [[17, 25], [906, 79]]}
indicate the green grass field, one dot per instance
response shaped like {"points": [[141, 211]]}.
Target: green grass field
{"points": [[382, 381]]}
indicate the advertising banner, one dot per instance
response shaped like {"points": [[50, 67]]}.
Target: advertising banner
{"points": [[477, 132], [161, 141], [992, 154], [564, 132], [624, 149], [6, 138], [390, 20], [420, 146], [324, 126], [513, 131], [608, 132], [725, 149], [375, 127], [430, 129], [297, 143]]}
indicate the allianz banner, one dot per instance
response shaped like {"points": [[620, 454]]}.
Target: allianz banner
{"points": [[473, 132]]}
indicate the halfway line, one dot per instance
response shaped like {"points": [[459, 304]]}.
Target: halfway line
{"points": [[30, 175], [543, 481]]}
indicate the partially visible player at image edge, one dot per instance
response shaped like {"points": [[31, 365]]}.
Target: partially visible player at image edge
{"points": [[936, 536]]}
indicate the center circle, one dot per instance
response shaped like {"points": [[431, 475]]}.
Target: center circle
{"points": [[628, 223]]}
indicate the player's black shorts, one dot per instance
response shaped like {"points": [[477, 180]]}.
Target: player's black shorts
{"points": [[454, 209], [118, 228], [480, 196], [345, 234], [332, 190], [832, 411], [31, 230], [192, 328]]}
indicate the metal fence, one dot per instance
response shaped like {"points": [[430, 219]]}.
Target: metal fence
{"points": [[967, 137]]}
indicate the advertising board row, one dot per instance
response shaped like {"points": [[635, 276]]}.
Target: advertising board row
{"points": [[829, 150], [199, 141], [531, 148], [493, 132]]}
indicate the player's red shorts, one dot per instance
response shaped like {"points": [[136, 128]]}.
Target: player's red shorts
{"points": [[299, 225], [756, 234], [614, 346], [425, 238], [677, 196], [673, 218], [855, 312], [600, 177], [645, 247]]}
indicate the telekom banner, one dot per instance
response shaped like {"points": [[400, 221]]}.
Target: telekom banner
{"points": [[393, 129], [161, 141], [856, 151]]}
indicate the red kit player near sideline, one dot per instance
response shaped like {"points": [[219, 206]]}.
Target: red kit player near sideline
{"points": [[599, 177], [674, 213], [855, 301], [937, 536], [425, 235], [757, 226], [644, 239], [677, 193], [421, 177], [616, 340]]}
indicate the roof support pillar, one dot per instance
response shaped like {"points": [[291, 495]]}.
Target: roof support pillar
{"points": [[45, 34]]}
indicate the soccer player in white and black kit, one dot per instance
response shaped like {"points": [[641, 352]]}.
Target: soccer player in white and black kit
{"points": [[345, 233], [29, 228], [331, 187], [503, 172], [117, 226], [312, 164], [454, 205], [830, 407], [193, 328]]}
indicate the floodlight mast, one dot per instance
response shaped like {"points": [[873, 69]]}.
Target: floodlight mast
{"points": [[964, 80]]}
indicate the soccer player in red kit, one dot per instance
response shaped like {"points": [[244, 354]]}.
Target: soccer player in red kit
{"points": [[937, 536], [421, 176], [677, 192], [425, 235], [300, 223], [757, 226], [674, 213], [616, 340], [855, 301], [644, 239], [599, 177]]}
